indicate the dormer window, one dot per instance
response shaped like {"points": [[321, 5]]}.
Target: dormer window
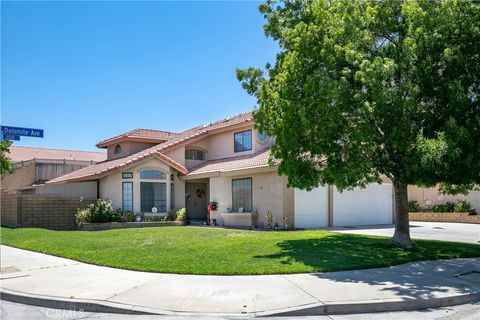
{"points": [[117, 149], [195, 154]]}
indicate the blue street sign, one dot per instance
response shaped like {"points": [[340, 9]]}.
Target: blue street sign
{"points": [[9, 137], [26, 132]]}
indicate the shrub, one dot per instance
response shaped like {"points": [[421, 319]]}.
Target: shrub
{"points": [[99, 211], [464, 206], [443, 207], [126, 216], [172, 215], [83, 215], [179, 214], [413, 206], [156, 218]]}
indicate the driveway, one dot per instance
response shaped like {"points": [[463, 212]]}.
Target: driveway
{"points": [[457, 232]]}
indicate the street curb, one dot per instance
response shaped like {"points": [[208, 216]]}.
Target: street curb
{"points": [[320, 308], [371, 306], [71, 304]]}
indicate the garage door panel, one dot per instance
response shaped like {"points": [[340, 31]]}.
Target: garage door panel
{"points": [[311, 208], [369, 206]]}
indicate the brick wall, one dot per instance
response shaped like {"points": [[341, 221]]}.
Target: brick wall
{"points": [[21, 177], [8, 209], [40, 211], [444, 217]]}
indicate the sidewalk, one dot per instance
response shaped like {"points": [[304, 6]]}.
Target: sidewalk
{"points": [[49, 281]]}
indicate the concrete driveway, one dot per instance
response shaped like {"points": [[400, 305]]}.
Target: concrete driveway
{"points": [[457, 232]]}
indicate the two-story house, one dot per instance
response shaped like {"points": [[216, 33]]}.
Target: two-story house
{"points": [[225, 161]]}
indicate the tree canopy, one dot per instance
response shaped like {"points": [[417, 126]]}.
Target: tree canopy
{"points": [[361, 89], [5, 162]]}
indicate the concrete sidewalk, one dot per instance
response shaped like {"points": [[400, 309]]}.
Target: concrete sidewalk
{"points": [[49, 281]]}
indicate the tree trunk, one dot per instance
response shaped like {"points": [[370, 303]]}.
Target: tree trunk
{"points": [[401, 236]]}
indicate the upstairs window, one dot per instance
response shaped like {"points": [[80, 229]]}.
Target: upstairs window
{"points": [[195, 154], [153, 175], [243, 141], [117, 149]]}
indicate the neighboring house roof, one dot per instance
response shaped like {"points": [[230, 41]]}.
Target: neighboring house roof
{"points": [[102, 169], [250, 161], [141, 135], [17, 154]]}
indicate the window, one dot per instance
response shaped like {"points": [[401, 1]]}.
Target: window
{"points": [[243, 141], [242, 194], [127, 175], [117, 149], [195, 154], [153, 194], [172, 196], [127, 196], [153, 174]]}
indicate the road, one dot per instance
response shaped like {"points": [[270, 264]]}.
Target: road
{"points": [[14, 311]]}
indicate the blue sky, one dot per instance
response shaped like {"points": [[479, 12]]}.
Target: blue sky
{"points": [[85, 71]]}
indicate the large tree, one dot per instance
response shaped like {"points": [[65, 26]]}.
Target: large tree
{"points": [[364, 89]]}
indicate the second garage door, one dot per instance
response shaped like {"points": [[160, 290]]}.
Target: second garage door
{"points": [[369, 206]]}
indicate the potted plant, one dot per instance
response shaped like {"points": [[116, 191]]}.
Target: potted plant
{"points": [[212, 206]]}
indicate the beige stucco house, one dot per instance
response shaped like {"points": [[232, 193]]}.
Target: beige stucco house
{"points": [[226, 161]]}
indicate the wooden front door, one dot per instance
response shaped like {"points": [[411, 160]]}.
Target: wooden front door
{"points": [[196, 200]]}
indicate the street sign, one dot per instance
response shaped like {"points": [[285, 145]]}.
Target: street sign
{"points": [[17, 132]]}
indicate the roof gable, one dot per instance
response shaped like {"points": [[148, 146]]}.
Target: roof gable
{"points": [[102, 169]]}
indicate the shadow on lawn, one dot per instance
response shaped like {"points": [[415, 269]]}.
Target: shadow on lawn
{"points": [[353, 252]]}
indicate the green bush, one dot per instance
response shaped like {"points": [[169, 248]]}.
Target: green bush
{"points": [[126, 216], [155, 218], [99, 211], [443, 207], [179, 214], [413, 206], [464, 206], [172, 215]]}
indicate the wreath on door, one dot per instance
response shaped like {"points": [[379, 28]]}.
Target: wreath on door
{"points": [[200, 193]]}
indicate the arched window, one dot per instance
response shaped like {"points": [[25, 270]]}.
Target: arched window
{"points": [[153, 175], [195, 154], [117, 149]]}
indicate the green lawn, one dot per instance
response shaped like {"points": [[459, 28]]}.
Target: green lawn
{"points": [[218, 251]]}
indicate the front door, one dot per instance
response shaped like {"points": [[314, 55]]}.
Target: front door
{"points": [[196, 200]]}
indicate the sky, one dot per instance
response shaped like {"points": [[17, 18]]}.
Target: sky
{"points": [[86, 71]]}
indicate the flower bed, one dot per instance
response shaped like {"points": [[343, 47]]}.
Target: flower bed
{"points": [[121, 225], [458, 217]]}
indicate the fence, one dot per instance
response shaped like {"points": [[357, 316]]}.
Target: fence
{"points": [[50, 212]]}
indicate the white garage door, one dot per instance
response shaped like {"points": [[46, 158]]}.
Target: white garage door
{"points": [[311, 208], [369, 206]]}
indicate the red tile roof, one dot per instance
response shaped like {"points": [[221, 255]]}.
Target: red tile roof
{"points": [[146, 135], [18, 153], [101, 169], [251, 161]]}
